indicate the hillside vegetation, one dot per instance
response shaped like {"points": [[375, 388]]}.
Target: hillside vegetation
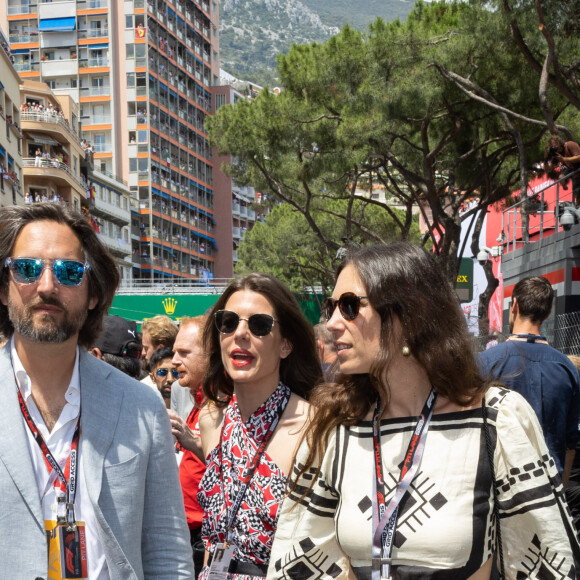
{"points": [[253, 32]]}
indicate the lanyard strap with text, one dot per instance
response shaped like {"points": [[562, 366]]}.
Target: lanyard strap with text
{"points": [[68, 485], [385, 517], [251, 469]]}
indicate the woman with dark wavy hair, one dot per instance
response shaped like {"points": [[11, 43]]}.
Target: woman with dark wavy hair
{"points": [[262, 365], [410, 456]]}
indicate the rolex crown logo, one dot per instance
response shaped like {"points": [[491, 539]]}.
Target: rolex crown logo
{"points": [[169, 305]]}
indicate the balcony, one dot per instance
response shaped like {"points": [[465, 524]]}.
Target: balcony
{"points": [[21, 9], [53, 168], [95, 91], [59, 68], [103, 147], [93, 33], [251, 215], [91, 4], [244, 211], [49, 118], [94, 62], [27, 66], [97, 120], [109, 211], [236, 209], [237, 233], [60, 9], [19, 38], [117, 246]]}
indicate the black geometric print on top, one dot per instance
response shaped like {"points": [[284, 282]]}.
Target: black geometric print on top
{"points": [[302, 565], [421, 499], [525, 473], [365, 504], [546, 564], [438, 501]]}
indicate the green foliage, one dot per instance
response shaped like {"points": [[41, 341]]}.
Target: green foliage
{"points": [[384, 107], [285, 246]]}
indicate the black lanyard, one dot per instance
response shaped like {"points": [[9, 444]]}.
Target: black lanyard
{"points": [[385, 517], [251, 469], [68, 485]]}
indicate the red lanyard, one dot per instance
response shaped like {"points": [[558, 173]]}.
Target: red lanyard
{"points": [[385, 517], [67, 479], [251, 469]]}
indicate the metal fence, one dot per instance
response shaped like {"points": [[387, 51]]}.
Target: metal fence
{"points": [[567, 333]]}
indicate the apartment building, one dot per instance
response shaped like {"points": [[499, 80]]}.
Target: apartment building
{"points": [[59, 167], [233, 202], [141, 72], [11, 192]]}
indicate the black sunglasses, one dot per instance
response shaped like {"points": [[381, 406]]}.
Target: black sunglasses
{"points": [[29, 270], [165, 372], [226, 321], [348, 304]]}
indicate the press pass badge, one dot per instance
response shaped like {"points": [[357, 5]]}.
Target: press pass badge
{"points": [[220, 563], [67, 555]]}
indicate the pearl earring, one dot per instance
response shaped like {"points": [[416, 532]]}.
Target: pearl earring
{"points": [[406, 350]]}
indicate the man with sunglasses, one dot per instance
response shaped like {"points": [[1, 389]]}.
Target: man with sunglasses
{"points": [[88, 480], [163, 373]]}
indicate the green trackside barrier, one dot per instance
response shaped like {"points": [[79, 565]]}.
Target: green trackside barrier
{"points": [[140, 307]]}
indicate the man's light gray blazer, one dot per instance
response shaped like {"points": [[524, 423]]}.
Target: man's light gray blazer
{"points": [[131, 474]]}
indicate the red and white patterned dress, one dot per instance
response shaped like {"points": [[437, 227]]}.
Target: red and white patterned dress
{"points": [[256, 520]]}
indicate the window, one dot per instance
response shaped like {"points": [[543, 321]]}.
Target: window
{"points": [[143, 164], [130, 50], [142, 136], [51, 84], [129, 21], [97, 82], [73, 83], [133, 164]]}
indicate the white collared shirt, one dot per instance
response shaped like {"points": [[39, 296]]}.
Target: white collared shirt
{"points": [[59, 442]]}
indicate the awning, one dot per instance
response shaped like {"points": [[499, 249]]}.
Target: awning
{"points": [[97, 46], [1, 85], [2, 151], [207, 238], [206, 213], [10, 160], [57, 24], [42, 139], [20, 51]]}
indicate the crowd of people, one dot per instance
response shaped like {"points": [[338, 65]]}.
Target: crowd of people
{"points": [[375, 445]]}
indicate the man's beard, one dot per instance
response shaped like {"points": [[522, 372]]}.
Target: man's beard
{"points": [[44, 328]]}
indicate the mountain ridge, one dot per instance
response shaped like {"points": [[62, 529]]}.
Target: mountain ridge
{"points": [[253, 32]]}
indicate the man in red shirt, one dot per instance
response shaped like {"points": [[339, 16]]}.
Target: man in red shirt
{"points": [[190, 360]]}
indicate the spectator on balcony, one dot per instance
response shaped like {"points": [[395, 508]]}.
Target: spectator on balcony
{"points": [[38, 157]]}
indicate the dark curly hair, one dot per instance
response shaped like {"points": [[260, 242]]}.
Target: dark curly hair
{"points": [[102, 276]]}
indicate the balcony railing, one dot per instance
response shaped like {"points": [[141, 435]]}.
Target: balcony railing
{"points": [[95, 91], [97, 120], [103, 147], [26, 66], [48, 117], [24, 37], [21, 9], [93, 33], [94, 62], [52, 165]]}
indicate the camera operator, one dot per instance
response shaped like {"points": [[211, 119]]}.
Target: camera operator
{"points": [[568, 154]]}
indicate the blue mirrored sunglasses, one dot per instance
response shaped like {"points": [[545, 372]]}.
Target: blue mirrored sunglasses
{"points": [[29, 270], [164, 373]]}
